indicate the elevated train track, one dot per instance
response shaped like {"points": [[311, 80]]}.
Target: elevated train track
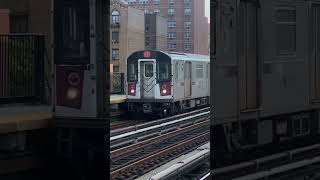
{"points": [[136, 133], [136, 152], [297, 163]]}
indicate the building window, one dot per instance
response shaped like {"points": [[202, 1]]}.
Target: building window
{"points": [[132, 1], [172, 46], [115, 54], [172, 35], [171, 12], [187, 46], [116, 69], [171, 1], [187, 12], [187, 35], [286, 30], [187, 1], [156, 1], [115, 17], [157, 11], [144, 1], [172, 24], [115, 37], [187, 25], [19, 23]]}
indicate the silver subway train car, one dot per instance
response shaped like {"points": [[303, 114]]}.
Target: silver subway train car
{"points": [[167, 83], [265, 75]]}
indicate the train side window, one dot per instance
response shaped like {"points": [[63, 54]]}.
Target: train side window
{"points": [[286, 30], [148, 70], [132, 73], [163, 71], [199, 71]]}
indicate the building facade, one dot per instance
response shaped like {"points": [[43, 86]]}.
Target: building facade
{"points": [[187, 25], [155, 32], [127, 33]]}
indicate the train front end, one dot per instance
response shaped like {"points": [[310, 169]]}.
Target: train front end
{"points": [[149, 82]]}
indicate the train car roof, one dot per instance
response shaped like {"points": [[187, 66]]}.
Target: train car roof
{"points": [[187, 56], [174, 56]]}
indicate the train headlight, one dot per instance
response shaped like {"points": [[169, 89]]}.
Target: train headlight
{"points": [[72, 93], [165, 89]]}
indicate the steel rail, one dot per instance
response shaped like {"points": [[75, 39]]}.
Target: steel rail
{"points": [[293, 158], [132, 154], [207, 176], [156, 122], [281, 169], [141, 145], [134, 169], [149, 132], [186, 165]]}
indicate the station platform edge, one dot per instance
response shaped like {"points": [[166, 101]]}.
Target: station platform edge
{"points": [[117, 99]]}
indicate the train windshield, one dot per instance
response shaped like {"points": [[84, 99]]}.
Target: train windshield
{"points": [[163, 71], [148, 70], [132, 73]]}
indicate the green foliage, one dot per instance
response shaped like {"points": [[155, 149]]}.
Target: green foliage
{"points": [[118, 83]]}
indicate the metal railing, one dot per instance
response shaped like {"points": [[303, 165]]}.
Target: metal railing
{"points": [[21, 68], [117, 83]]}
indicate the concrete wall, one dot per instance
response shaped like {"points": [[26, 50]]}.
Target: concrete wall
{"points": [[201, 36], [151, 34], [200, 29], [136, 29], [162, 31]]}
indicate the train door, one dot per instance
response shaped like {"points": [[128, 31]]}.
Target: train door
{"points": [[147, 78], [247, 53], [315, 52], [187, 79]]}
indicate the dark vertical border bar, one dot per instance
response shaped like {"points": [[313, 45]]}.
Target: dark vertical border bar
{"points": [[107, 57], [213, 51]]}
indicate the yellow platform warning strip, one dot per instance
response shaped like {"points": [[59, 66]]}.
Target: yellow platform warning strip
{"points": [[116, 99]]}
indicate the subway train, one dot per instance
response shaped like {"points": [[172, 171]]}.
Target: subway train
{"points": [[265, 74], [167, 83]]}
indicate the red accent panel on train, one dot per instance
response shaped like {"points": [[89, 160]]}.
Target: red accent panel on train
{"points": [[69, 86]]}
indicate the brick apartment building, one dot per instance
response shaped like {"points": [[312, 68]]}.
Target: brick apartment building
{"points": [[186, 23], [127, 33]]}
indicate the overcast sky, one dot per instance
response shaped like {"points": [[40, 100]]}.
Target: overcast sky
{"points": [[207, 8]]}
